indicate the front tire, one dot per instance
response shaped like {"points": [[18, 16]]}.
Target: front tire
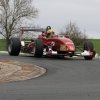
{"points": [[14, 47], [38, 48]]}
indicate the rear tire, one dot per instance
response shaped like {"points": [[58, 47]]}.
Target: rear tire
{"points": [[38, 48], [88, 46], [14, 47]]}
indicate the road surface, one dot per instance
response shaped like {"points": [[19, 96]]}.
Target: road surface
{"points": [[66, 79]]}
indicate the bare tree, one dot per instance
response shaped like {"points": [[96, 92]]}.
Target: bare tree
{"points": [[75, 34], [12, 12]]}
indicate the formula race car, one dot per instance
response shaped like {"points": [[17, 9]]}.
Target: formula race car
{"points": [[57, 45]]}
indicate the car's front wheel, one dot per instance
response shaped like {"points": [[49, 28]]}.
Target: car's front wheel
{"points": [[14, 46], [38, 48]]}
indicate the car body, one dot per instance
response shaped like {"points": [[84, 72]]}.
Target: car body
{"points": [[58, 45]]}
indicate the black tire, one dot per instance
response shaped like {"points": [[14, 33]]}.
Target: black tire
{"points": [[88, 46], [38, 48], [14, 46]]}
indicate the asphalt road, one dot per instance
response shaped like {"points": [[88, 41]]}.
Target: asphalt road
{"points": [[66, 79]]}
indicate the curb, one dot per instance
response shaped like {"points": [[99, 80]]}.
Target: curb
{"points": [[5, 52], [12, 71]]}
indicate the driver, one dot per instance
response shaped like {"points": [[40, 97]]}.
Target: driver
{"points": [[49, 32]]}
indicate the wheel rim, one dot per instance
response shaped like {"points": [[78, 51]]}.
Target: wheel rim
{"points": [[9, 48]]}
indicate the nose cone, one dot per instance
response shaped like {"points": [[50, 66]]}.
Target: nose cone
{"points": [[71, 47], [67, 45]]}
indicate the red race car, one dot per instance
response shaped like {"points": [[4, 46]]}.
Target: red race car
{"points": [[57, 45]]}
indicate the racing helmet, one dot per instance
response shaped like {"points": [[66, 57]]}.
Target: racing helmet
{"points": [[48, 28]]}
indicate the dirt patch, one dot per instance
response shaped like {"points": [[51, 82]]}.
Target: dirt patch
{"points": [[18, 71]]}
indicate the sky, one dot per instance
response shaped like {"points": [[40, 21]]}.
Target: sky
{"points": [[59, 13]]}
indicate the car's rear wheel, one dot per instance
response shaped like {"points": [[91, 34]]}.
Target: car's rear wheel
{"points": [[38, 48], [14, 46], [88, 46]]}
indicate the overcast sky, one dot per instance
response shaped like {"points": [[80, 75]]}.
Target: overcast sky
{"points": [[58, 13]]}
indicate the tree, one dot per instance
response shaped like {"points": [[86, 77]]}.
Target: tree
{"points": [[12, 12], [75, 34]]}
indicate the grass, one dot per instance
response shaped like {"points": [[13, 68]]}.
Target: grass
{"points": [[2, 45], [96, 43]]}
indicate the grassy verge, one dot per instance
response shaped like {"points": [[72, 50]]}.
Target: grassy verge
{"points": [[2, 45], [96, 43]]}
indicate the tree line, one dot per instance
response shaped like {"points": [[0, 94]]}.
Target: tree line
{"points": [[14, 12]]}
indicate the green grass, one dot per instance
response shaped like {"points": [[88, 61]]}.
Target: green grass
{"points": [[2, 45], [96, 43]]}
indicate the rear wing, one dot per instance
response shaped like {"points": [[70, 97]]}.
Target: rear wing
{"points": [[27, 29], [32, 29]]}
